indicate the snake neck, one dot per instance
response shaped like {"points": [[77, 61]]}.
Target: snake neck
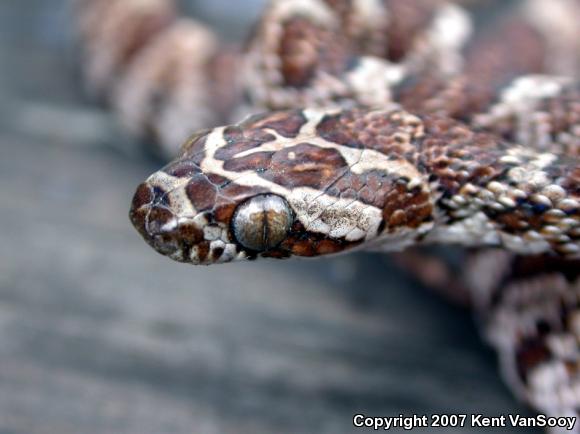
{"points": [[490, 192]]}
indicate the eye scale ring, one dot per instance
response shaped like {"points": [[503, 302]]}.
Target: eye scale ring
{"points": [[262, 222]]}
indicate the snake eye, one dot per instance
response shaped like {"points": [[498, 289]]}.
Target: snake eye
{"points": [[262, 222]]}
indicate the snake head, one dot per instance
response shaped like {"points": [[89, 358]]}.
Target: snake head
{"points": [[288, 183]]}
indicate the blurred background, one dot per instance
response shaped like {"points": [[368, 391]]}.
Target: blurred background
{"points": [[100, 334]]}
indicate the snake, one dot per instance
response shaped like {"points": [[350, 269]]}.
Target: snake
{"points": [[376, 125]]}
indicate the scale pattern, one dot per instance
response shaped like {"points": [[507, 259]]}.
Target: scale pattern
{"points": [[385, 124]]}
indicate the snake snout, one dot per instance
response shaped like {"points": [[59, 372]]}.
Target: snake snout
{"points": [[153, 220], [181, 236]]}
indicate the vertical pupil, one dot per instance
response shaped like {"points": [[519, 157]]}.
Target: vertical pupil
{"points": [[262, 222]]}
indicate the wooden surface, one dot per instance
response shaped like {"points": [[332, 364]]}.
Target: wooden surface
{"points": [[99, 334]]}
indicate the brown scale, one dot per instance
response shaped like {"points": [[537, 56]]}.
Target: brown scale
{"points": [[460, 98], [311, 166], [301, 242], [562, 115], [142, 197], [182, 168], [401, 206], [307, 50], [492, 61], [201, 192], [239, 139], [531, 353], [455, 155], [143, 24], [258, 161], [533, 350], [513, 49], [326, 170], [287, 124], [367, 37], [224, 89], [391, 135], [407, 18], [406, 209], [571, 183], [149, 212], [194, 149]]}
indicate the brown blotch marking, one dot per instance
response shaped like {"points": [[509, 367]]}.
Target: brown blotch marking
{"points": [[138, 218], [190, 234], [194, 148], [368, 187], [223, 89], [156, 218], [306, 49], [512, 49], [492, 62], [240, 139], [148, 211], [285, 123], [401, 207], [138, 213], [455, 155], [238, 193], [203, 250], [253, 162], [406, 208], [368, 195], [201, 192], [276, 254], [527, 267], [145, 30], [367, 39], [301, 242], [326, 247], [312, 166], [182, 168], [186, 236], [217, 180], [143, 196], [304, 248], [460, 98], [511, 221], [391, 133], [408, 19], [223, 213], [217, 253], [529, 354]]}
